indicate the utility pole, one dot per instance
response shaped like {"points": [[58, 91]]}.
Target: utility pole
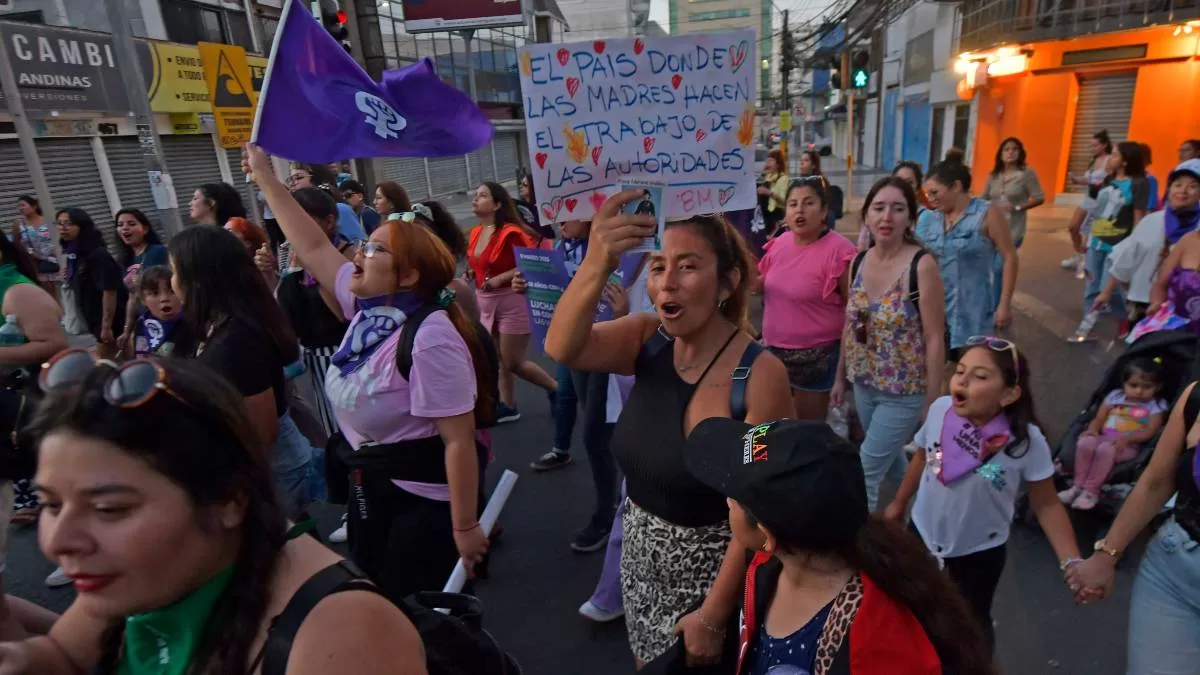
{"points": [[16, 108], [135, 91], [787, 62], [468, 36]]}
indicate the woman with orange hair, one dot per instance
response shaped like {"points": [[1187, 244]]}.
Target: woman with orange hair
{"points": [[253, 236], [412, 454]]}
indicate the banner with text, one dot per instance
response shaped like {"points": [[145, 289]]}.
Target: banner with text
{"points": [[678, 110]]}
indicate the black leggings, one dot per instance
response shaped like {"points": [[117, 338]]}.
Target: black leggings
{"points": [[977, 575]]}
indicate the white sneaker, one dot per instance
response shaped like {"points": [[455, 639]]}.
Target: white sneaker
{"points": [[1072, 262], [58, 578], [339, 536], [589, 611]]}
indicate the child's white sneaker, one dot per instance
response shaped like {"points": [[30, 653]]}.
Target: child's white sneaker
{"points": [[1068, 496]]}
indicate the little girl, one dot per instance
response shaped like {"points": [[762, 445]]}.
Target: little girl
{"points": [[1128, 418], [975, 449]]}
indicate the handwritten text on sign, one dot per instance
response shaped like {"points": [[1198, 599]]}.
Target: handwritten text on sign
{"points": [[676, 109]]}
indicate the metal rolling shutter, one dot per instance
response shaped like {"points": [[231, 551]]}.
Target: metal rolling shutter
{"points": [[1105, 102], [475, 159], [409, 172], [508, 156], [16, 184], [129, 174], [247, 190], [192, 161], [74, 180], [449, 175], [485, 156]]}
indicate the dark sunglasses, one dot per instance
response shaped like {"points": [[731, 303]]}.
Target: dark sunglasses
{"points": [[860, 326], [129, 385]]}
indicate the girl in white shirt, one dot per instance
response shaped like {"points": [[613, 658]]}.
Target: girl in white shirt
{"points": [[975, 449]]}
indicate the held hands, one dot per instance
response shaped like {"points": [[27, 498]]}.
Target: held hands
{"points": [[702, 639], [617, 298], [614, 233], [1091, 579]]}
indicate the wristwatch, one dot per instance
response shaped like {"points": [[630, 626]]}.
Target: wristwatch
{"points": [[1018, 207], [1102, 546]]}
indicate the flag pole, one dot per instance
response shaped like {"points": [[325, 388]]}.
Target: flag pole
{"points": [[262, 95]]}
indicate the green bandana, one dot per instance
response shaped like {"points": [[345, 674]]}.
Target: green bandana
{"points": [[161, 642]]}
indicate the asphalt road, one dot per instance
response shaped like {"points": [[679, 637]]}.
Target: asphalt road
{"points": [[537, 582]]}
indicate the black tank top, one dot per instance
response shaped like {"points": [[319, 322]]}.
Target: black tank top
{"points": [[1187, 503], [648, 443]]}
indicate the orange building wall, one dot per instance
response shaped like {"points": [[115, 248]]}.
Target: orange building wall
{"points": [[1039, 105]]}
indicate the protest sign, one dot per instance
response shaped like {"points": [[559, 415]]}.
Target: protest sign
{"points": [[678, 110]]}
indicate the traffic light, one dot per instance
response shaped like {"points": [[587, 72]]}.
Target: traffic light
{"points": [[333, 17], [860, 73]]}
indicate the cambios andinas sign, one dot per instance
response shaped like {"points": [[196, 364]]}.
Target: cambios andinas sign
{"points": [[438, 15]]}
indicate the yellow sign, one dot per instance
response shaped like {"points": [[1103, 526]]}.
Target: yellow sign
{"points": [[176, 79], [230, 91], [186, 123], [258, 72], [785, 120]]}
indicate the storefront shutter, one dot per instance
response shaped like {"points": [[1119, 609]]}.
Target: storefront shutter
{"points": [[70, 169], [486, 155], [192, 161], [508, 157], [129, 174], [449, 175], [475, 159], [1105, 102], [409, 172], [17, 183]]}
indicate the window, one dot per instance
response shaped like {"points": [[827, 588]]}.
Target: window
{"points": [[962, 122], [939, 126], [190, 22], [719, 14]]}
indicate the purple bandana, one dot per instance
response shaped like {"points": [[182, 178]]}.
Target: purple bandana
{"points": [[965, 446], [375, 322], [1178, 223]]}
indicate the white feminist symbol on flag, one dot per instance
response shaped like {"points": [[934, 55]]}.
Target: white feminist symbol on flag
{"points": [[387, 122]]}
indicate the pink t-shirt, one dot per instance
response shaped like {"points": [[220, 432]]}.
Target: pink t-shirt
{"points": [[802, 307], [376, 404]]}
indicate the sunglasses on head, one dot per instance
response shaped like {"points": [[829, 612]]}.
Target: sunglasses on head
{"points": [[997, 345], [128, 385]]}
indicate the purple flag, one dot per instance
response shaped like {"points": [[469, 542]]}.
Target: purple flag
{"points": [[318, 105]]}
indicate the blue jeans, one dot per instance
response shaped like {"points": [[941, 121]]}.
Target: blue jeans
{"points": [[292, 467], [1164, 612], [566, 406], [889, 421], [1096, 263], [592, 392]]}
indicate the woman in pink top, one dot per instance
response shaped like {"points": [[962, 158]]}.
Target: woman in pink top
{"points": [[415, 467], [803, 305]]}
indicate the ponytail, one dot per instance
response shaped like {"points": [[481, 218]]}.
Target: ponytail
{"points": [[903, 569]]}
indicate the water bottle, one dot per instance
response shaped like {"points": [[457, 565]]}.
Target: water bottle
{"points": [[1083, 333], [11, 334]]}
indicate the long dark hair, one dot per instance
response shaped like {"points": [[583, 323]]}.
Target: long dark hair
{"points": [[318, 204], [508, 214], [999, 167], [396, 194], [732, 254], [1014, 370], [12, 251], [911, 166], [125, 252], [815, 158], [445, 228], [951, 171], [225, 201], [1135, 159], [208, 449], [32, 202], [1102, 136], [220, 283], [910, 199], [89, 238]]}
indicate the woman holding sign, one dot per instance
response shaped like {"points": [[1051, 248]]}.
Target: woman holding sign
{"points": [[492, 264], [681, 576]]}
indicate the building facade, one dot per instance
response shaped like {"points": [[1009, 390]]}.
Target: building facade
{"points": [[597, 19], [708, 16]]}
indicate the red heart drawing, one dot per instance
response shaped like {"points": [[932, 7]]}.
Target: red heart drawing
{"points": [[598, 45], [596, 154], [648, 143], [572, 86], [541, 159], [676, 80], [597, 200], [700, 135], [737, 54], [551, 208], [570, 203], [563, 55], [638, 46]]}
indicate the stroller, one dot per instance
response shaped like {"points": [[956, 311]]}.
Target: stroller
{"points": [[1178, 350]]}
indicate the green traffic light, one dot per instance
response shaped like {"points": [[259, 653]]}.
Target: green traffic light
{"points": [[860, 79]]}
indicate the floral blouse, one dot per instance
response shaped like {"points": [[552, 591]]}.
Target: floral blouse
{"points": [[883, 343]]}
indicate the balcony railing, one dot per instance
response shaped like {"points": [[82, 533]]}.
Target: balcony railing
{"points": [[987, 23]]}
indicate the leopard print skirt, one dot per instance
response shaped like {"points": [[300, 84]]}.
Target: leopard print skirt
{"points": [[666, 570]]}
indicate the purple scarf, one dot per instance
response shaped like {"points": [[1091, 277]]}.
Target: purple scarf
{"points": [[377, 319], [965, 447], [1178, 223]]}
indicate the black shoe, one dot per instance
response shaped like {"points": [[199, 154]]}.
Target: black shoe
{"points": [[505, 414], [555, 459], [591, 539]]}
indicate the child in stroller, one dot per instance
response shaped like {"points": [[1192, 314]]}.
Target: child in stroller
{"points": [[1175, 353], [1127, 420]]}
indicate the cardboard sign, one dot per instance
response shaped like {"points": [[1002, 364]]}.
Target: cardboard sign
{"points": [[230, 90], [676, 110]]}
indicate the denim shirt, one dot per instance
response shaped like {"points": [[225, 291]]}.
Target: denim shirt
{"points": [[964, 256]]}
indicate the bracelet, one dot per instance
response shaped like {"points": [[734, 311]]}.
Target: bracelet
{"points": [[719, 630], [1068, 562], [466, 529]]}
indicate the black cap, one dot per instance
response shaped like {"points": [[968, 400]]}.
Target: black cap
{"points": [[799, 479]]}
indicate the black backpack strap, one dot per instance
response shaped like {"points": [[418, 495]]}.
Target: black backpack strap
{"points": [[408, 336], [741, 380], [651, 348], [856, 264], [1191, 408], [339, 577], [914, 284]]}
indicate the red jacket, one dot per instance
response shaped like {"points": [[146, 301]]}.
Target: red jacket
{"points": [[884, 637]]}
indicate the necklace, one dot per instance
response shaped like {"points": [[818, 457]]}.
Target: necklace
{"points": [[685, 367]]}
